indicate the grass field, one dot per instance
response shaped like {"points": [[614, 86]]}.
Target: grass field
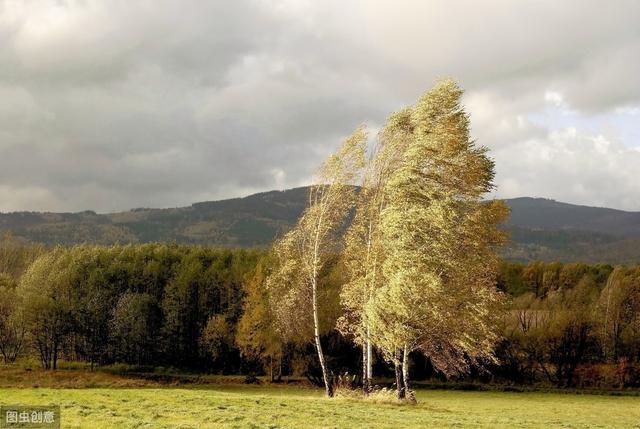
{"points": [[294, 407]]}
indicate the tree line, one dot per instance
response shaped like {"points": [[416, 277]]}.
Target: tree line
{"points": [[154, 304], [570, 325]]}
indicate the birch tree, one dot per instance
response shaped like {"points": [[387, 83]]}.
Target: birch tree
{"points": [[301, 255], [364, 250], [440, 240]]}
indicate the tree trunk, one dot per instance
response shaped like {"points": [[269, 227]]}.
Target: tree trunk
{"points": [[271, 368], [365, 387], [316, 333], [369, 363], [369, 367], [399, 382], [405, 369], [280, 367]]}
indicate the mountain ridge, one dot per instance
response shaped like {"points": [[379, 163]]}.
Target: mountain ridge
{"points": [[541, 228]]}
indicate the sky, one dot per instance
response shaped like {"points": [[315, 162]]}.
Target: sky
{"points": [[113, 105]]}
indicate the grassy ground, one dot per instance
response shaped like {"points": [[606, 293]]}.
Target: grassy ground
{"points": [[295, 407]]}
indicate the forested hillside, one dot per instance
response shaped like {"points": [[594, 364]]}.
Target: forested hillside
{"points": [[541, 229]]}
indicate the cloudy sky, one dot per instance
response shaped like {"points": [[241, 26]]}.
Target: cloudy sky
{"points": [[110, 105]]}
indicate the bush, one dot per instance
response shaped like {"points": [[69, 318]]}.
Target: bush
{"points": [[608, 376]]}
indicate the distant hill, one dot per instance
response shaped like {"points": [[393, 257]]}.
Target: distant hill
{"points": [[543, 229], [541, 213], [251, 221], [540, 228]]}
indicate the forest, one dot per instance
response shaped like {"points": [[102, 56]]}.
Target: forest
{"points": [[205, 310]]}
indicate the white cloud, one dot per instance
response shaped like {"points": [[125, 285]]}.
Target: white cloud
{"points": [[555, 98], [573, 166]]}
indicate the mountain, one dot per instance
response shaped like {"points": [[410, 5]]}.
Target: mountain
{"points": [[250, 221], [541, 229], [541, 213]]}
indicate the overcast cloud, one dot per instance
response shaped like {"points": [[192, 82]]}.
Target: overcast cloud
{"points": [[111, 105]]}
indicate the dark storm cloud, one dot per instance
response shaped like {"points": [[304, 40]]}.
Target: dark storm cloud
{"points": [[113, 105]]}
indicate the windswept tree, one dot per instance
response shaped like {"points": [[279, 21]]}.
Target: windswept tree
{"points": [[364, 252], [302, 254], [440, 240]]}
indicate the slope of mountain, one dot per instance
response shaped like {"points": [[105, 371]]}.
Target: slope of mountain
{"points": [[543, 229], [540, 229], [251, 221], [540, 213]]}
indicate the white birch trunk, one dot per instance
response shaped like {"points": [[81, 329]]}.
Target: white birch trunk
{"points": [[364, 368], [405, 369], [316, 334], [316, 320], [398, 369], [369, 363]]}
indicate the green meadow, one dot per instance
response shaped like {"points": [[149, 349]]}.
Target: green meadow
{"points": [[296, 407]]}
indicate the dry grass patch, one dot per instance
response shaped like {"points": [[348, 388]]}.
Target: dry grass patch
{"points": [[13, 376]]}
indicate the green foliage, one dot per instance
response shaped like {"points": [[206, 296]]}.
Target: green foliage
{"points": [[12, 323], [145, 304], [217, 336], [46, 293], [135, 328], [257, 336]]}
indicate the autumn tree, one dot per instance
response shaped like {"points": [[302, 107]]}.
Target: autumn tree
{"points": [[302, 254], [257, 336], [440, 240], [364, 252]]}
